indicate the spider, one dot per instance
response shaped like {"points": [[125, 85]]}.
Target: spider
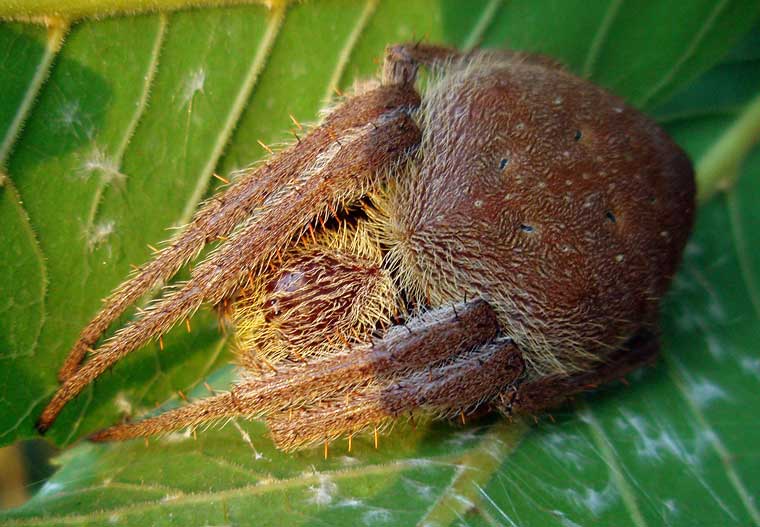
{"points": [[500, 238]]}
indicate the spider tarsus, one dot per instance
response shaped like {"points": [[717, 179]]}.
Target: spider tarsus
{"points": [[41, 427]]}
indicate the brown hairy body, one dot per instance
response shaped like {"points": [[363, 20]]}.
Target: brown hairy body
{"points": [[503, 239]]}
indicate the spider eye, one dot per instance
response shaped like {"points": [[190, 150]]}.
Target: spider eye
{"points": [[526, 228], [611, 217], [503, 163], [578, 135]]}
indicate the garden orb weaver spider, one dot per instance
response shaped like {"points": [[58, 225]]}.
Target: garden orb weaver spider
{"points": [[502, 238]]}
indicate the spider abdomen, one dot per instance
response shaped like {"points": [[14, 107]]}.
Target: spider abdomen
{"points": [[563, 206]]}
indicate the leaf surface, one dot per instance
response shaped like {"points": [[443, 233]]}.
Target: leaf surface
{"points": [[114, 137]]}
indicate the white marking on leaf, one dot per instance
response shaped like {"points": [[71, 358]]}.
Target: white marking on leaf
{"points": [[566, 522], [193, 85], [566, 447], [348, 460], [751, 366], [426, 492], [99, 233], [100, 162], [323, 493], [68, 114], [655, 444], [178, 437], [670, 506], [594, 500], [49, 487], [350, 503], [377, 516], [704, 392], [715, 346], [123, 405]]}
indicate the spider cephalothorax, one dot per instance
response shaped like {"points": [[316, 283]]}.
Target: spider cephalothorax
{"points": [[503, 239]]}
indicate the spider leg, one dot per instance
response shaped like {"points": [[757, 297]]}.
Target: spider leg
{"points": [[473, 378], [535, 396], [345, 167], [218, 216], [428, 339], [450, 389], [402, 61]]}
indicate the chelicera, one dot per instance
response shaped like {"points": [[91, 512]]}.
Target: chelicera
{"points": [[502, 237]]}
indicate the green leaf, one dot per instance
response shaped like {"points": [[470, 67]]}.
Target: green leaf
{"points": [[114, 137]]}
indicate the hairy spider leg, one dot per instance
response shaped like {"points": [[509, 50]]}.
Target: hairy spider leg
{"points": [[342, 172], [402, 61], [426, 340], [219, 215], [537, 395], [493, 373], [453, 388]]}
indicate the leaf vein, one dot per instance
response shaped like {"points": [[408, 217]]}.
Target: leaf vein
{"points": [[142, 103], [677, 374], [54, 42], [348, 47], [601, 37], [689, 52], [483, 23], [276, 17], [608, 455]]}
